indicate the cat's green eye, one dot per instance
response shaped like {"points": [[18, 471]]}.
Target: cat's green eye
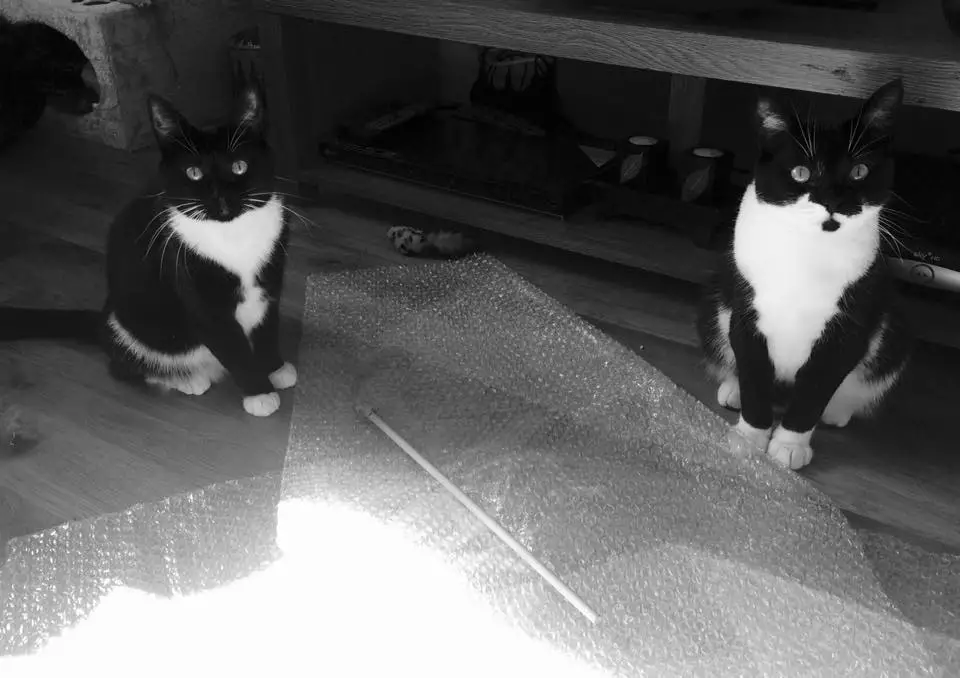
{"points": [[800, 174], [859, 171], [194, 173], [239, 167]]}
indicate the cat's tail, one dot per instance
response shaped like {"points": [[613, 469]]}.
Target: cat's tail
{"points": [[34, 323], [439, 244]]}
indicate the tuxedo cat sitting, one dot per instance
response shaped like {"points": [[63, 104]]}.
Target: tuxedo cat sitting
{"points": [[194, 267], [803, 302]]}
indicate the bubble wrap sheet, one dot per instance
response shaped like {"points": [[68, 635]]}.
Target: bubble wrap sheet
{"points": [[615, 478], [360, 565]]}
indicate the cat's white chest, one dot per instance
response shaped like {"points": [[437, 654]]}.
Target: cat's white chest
{"points": [[798, 272], [241, 246], [252, 308]]}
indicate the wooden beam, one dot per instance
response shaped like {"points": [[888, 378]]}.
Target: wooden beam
{"points": [[830, 52]]}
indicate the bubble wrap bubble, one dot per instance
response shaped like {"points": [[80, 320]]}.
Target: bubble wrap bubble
{"points": [[699, 565], [615, 478]]}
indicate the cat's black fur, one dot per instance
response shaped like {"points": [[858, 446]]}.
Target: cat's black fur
{"points": [[38, 66], [167, 296], [865, 303]]}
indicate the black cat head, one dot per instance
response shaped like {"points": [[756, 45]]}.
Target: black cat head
{"points": [[219, 173], [846, 169]]}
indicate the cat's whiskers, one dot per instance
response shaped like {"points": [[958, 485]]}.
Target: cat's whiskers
{"points": [[805, 144], [296, 196], [857, 151], [307, 223], [901, 198], [231, 143], [150, 223], [862, 150], [239, 132], [195, 211], [886, 227], [264, 197], [812, 131], [189, 148], [853, 131], [903, 215], [192, 212], [170, 234], [185, 141], [889, 237], [167, 227], [176, 263], [284, 194], [169, 213], [163, 227]]}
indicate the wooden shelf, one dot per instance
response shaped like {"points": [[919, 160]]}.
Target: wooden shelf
{"points": [[651, 248], [840, 52]]}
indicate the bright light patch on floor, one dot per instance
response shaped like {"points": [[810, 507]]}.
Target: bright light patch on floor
{"points": [[351, 596]]}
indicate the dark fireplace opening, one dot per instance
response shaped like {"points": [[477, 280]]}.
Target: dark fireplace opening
{"points": [[64, 74], [40, 69]]}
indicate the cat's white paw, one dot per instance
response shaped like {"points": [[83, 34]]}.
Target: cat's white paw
{"points": [[791, 449], [836, 416], [194, 385], [262, 405], [285, 377], [745, 441], [728, 395]]}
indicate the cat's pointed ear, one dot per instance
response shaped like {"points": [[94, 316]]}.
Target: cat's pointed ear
{"points": [[168, 124], [879, 112], [771, 119], [250, 112]]}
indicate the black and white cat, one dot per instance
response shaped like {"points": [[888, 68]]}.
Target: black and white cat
{"points": [[195, 269], [803, 302]]}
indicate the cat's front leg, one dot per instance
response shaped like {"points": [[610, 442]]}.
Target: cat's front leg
{"points": [[828, 365], [756, 377], [229, 344], [266, 347]]}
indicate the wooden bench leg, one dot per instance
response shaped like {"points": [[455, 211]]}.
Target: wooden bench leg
{"points": [[687, 94], [284, 55]]}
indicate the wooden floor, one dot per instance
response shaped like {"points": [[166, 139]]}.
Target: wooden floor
{"points": [[100, 446]]}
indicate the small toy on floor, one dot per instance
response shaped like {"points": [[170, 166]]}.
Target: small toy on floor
{"points": [[413, 242]]}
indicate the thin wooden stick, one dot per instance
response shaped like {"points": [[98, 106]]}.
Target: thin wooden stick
{"points": [[491, 524]]}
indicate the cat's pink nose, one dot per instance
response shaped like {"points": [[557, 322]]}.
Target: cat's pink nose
{"points": [[224, 210]]}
